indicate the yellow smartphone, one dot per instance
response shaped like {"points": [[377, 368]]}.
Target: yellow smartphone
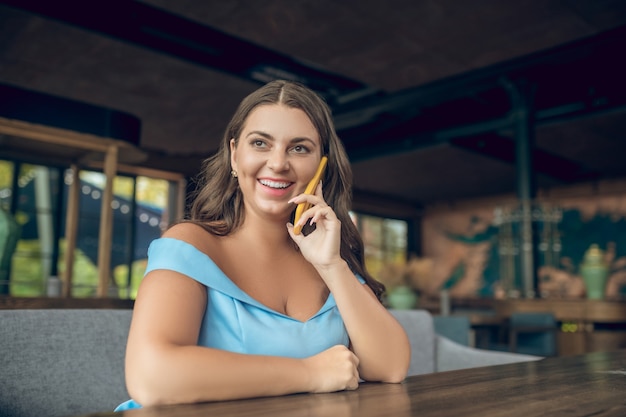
{"points": [[310, 189]]}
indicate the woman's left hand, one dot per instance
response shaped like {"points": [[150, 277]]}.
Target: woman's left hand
{"points": [[320, 247]]}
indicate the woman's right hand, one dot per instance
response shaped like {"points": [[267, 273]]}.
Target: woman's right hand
{"points": [[334, 369]]}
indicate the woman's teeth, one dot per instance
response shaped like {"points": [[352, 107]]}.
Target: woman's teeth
{"points": [[275, 184]]}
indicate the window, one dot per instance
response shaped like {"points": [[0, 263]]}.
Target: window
{"points": [[384, 240], [143, 205], [32, 202]]}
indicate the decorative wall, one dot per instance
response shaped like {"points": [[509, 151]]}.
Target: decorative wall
{"points": [[464, 243]]}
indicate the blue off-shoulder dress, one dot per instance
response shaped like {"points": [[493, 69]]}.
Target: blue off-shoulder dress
{"points": [[236, 322]]}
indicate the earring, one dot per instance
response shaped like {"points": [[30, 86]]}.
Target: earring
{"points": [[233, 173]]}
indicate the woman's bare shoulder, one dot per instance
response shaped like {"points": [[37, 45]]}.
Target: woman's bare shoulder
{"points": [[195, 235], [184, 230]]}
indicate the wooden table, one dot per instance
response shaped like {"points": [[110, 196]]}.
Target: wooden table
{"points": [[584, 385]]}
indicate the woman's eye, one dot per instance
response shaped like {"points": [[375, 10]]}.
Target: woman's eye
{"points": [[258, 143], [300, 149]]}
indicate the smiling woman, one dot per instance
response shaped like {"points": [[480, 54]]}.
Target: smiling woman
{"points": [[275, 157], [234, 303]]}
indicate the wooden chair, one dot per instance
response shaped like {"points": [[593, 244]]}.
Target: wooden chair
{"points": [[456, 328], [533, 333]]}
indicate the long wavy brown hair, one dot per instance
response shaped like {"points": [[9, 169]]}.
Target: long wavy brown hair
{"points": [[217, 203]]}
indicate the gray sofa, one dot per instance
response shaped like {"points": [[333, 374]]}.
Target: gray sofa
{"points": [[431, 352], [62, 362], [70, 362]]}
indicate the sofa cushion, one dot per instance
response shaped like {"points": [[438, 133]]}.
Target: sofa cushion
{"points": [[451, 356], [62, 362]]}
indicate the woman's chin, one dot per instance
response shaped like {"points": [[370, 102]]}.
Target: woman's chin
{"points": [[278, 213]]}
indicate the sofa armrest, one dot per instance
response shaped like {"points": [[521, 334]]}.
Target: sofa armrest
{"points": [[450, 355], [418, 325]]}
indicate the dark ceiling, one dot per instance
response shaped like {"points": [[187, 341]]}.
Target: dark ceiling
{"points": [[426, 94]]}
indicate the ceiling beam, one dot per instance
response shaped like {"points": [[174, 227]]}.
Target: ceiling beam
{"points": [[63, 113], [146, 26], [579, 80], [543, 162], [562, 64]]}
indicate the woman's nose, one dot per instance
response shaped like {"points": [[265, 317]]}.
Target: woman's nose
{"points": [[278, 162]]}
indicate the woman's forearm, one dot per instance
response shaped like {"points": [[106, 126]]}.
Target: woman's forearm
{"points": [[378, 340], [184, 374], [159, 374]]}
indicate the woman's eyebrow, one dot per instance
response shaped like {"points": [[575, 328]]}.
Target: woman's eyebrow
{"points": [[298, 139], [260, 133], [303, 139]]}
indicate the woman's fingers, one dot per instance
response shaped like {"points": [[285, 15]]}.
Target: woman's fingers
{"points": [[314, 202], [316, 213]]}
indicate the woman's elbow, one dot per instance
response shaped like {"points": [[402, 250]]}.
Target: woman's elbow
{"points": [[147, 393], [391, 373], [395, 377], [397, 372], [145, 382], [142, 390]]}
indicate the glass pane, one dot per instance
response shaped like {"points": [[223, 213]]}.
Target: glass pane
{"points": [[6, 184], [149, 220], [395, 235], [141, 209], [37, 250], [385, 242], [9, 229]]}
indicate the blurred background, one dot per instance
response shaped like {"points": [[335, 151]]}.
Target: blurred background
{"points": [[487, 138]]}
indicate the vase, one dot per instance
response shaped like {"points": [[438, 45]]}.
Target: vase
{"points": [[595, 272], [401, 298]]}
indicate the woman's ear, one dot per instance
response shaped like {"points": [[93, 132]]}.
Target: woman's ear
{"points": [[233, 156]]}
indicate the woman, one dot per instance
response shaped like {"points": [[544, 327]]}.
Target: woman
{"points": [[234, 304]]}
